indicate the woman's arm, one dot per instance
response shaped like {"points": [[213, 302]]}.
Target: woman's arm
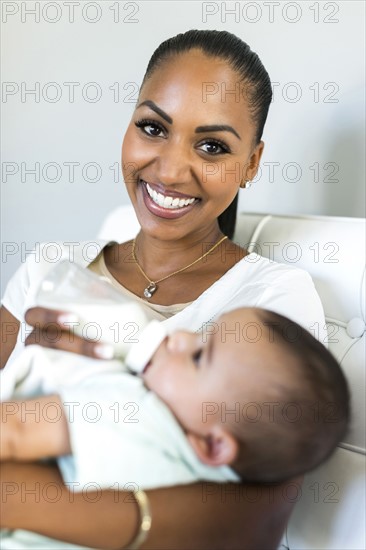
{"points": [[33, 429], [200, 516], [9, 333]]}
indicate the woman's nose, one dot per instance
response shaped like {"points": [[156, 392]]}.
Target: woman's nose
{"points": [[173, 165]]}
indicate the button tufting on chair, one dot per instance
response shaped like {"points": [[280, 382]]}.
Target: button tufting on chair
{"points": [[356, 327]]}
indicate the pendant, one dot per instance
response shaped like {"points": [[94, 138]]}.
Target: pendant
{"points": [[150, 289]]}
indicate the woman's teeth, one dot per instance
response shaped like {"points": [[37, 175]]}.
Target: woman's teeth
{"points": [[167, 202]]}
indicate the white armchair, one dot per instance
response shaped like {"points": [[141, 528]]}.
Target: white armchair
{"points": [[330, 511]]}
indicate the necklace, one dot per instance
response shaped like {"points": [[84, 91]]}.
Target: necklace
{"points": [[153, 285]]}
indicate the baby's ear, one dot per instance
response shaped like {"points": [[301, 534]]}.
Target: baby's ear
{"points": [[217, 448]]}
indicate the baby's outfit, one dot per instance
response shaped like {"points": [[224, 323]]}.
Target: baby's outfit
{"points": [[120, 432], [123, 437]]}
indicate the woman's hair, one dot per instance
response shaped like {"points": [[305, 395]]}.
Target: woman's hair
{"points": [[245, 62]]}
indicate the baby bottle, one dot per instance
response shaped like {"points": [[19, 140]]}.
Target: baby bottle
{"points": [[103, 313]]}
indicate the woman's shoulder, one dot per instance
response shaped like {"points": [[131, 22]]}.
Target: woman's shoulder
{"points": [[34, 267], [46, 255], [285, 289], [253, 268], [267, 282], [256, 281], [256, 269]]}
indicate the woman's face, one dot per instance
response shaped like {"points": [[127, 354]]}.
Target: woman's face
{"points": [[188, 146]]}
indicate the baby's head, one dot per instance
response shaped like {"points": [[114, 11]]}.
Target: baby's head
{"points": [[255, 391]]}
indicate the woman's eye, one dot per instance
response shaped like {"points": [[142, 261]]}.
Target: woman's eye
{"points": [[150, 128], [215, 148], [196, 357]]}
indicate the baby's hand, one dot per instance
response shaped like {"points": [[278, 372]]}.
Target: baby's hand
{"points": [[28, 433]]}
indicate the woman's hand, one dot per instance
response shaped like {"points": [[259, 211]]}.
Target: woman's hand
{"points": [[56, 329]]}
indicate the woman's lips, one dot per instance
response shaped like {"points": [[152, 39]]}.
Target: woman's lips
{"points": [[160, 189], [169, 200], [171, 206]]}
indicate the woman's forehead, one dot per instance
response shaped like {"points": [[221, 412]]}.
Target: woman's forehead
{"points": [[197, 84], [193, 70]]}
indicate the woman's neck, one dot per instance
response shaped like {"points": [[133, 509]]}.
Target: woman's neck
{"points": [[168, 260], [158, 257]]}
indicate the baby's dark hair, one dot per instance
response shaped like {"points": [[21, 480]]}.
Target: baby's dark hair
{"points": [[304, 419], [252, 75]]}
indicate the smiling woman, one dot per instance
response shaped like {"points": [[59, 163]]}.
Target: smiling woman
{"points": [[218, 147], [189, 161], [191, 149]]}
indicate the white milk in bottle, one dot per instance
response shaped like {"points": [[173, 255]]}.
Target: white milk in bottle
{"points": [[103, 314]]}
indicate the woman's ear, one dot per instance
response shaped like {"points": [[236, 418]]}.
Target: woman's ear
{"points": [[254, 160], [217, 448]]}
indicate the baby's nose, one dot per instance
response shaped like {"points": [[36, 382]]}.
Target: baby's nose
{"points": [[181, 341]]}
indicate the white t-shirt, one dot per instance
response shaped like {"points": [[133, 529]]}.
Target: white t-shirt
{"points": [[254, 281]]}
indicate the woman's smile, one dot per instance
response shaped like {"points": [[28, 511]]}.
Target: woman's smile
{"points": [[166, 204]]}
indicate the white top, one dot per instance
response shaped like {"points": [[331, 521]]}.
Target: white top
{"points": [[254, 281]]}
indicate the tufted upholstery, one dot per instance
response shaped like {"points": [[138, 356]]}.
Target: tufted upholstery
{"points": [[330, 511]]}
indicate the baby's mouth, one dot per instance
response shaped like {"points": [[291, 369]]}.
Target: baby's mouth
{"points": [[173, 201]]}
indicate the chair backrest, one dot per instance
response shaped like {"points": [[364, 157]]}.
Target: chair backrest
{"points": [[330, 511]]}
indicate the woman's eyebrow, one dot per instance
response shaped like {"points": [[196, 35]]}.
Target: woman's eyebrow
{"points": [[157, 110], [198, 130], [217, 128]]}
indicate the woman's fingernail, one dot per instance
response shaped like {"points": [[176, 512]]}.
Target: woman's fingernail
{"points": [[67, 318], [104, 351]]}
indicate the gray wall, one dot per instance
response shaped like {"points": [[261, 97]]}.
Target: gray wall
{"points": [[313, 160]]}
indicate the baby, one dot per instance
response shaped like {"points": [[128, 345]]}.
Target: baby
{"points": [[254, 397]]}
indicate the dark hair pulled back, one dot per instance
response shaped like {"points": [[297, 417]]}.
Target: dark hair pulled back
{"points": [[245, 62]]}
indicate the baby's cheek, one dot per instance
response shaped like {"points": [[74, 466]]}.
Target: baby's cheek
{"points": [[154, 379], [169, 390]]}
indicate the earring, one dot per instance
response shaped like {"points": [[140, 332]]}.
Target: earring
{"points": [[246, 184]]}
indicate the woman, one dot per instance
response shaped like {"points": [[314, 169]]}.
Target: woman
{"points": [[193, 141]]}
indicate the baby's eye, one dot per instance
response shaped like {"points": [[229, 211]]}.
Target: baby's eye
{"points": [[150, 127], [214, 147], [196, 357]]}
